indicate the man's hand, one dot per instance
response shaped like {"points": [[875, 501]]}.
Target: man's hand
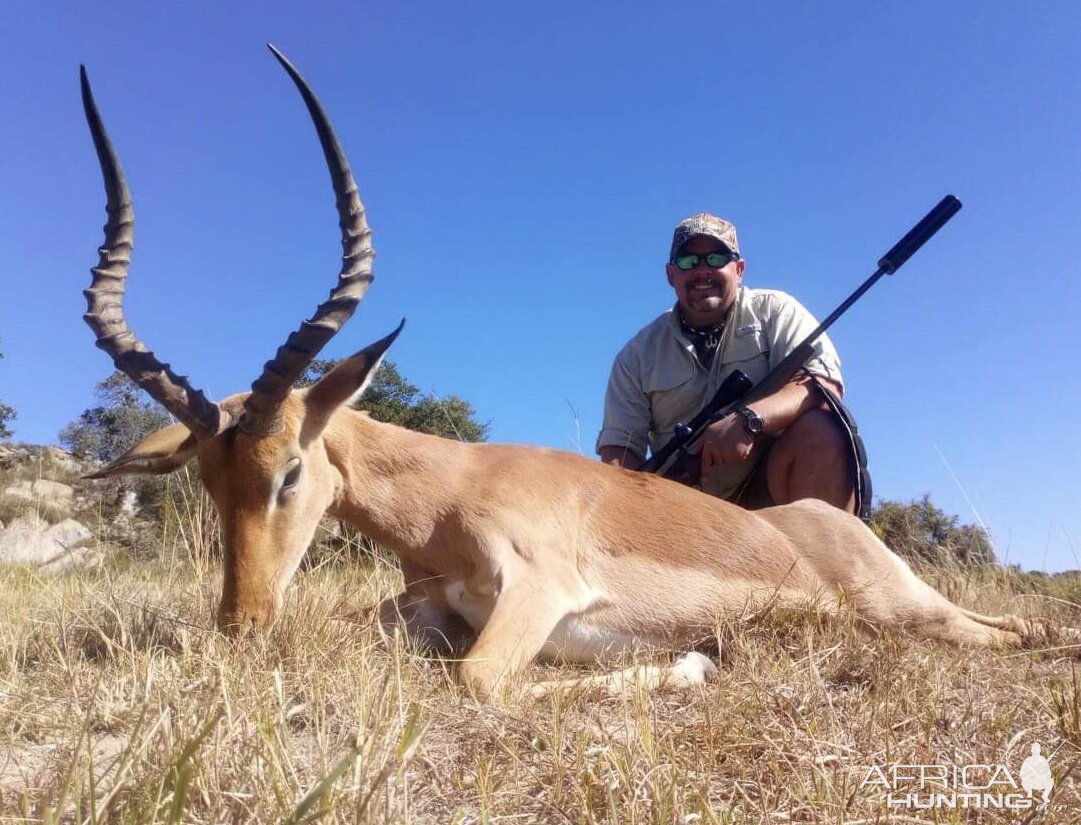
{"points": [[724, 442]]}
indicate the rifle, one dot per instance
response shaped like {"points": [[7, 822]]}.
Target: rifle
{"points": [[738, 390]]}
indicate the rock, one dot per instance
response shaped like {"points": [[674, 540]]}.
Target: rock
{"points": [[54, 490], [48, 497], [28, 522], [10, 451], [91, 554], [17, 494], [63, 460], [30, 540], [20, 540], [69, 533], [13, 455]]}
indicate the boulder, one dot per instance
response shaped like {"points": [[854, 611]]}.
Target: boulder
{"points": [[17, 495], [9, 452], [20, 539], [69, 533], [63, 460], [14, 455], [30, 540], [54, 491], [49, 497]]}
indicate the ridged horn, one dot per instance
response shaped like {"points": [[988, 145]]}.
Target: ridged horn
{"points": [[261, 410], [105, 297]]}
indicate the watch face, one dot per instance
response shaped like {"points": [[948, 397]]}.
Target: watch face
{"points": [[753, 422]]}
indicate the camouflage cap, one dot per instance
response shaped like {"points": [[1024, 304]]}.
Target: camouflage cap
{"points": [[704, 224]]}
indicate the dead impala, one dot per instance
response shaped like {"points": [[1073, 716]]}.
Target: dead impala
{"points": [[516, 551]]}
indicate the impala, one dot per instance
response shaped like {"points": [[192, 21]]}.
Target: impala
{"points": [[515, 552]]}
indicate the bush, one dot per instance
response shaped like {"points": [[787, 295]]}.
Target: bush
{"points": [[123, 416], [7, 415], [920, 531], [393, 400]]}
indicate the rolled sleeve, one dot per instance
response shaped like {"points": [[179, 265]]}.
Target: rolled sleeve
{"points": [[791, 324], [626, 409]]}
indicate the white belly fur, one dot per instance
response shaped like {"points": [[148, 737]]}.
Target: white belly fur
{"points": [[574, 639]]}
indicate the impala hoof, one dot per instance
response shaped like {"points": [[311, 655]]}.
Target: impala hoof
{"points": [[693, 669]]}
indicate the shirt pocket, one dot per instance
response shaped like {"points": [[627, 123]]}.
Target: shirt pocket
{"points": [[674, 396], [748, 352]]}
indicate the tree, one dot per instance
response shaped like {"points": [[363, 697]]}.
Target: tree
{"points": [[7, 415], [392, 399], [920, 531], [123, 416]]}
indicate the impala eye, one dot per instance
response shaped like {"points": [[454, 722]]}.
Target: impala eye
{"points": [[292, 474]]}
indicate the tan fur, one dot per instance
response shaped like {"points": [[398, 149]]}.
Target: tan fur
{"points": [[544, 553]]}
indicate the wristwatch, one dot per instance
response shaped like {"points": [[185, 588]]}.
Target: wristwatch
{"points": [[755, 424]]}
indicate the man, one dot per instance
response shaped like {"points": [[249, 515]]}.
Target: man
{"points": [[798, 443]]}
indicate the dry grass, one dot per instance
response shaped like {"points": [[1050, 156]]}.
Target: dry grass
{"points": [[119, 703]]}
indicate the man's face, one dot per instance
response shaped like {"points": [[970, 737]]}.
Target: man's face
{"points": [[705, 294]]}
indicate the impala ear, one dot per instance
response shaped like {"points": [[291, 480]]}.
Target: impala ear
{"points": [[347, 381], [159, 453]]}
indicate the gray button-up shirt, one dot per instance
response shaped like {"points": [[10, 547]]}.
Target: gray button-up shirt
{"points": [[657, 380]]}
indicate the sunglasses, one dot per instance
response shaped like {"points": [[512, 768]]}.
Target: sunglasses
{"points": [[714, 260]]}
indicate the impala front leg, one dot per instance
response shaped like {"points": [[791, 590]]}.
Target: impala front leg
{"points": [[523, 618]]}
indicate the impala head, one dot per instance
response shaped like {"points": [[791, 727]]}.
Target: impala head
{"points": [[262, 455]]}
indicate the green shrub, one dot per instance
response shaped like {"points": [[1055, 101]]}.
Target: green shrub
{"points": [[919, 531]]}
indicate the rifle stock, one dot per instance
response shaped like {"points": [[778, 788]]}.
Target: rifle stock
{"points": [[733, 388]]}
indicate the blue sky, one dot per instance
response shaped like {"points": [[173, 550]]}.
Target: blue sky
{"points": [[523, 166]]}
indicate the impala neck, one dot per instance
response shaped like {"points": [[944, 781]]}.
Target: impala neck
{"points": [[397, 485]]}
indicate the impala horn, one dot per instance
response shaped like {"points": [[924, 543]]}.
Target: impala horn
{"points": [[268, 391], [105, 298], [105, 312]]}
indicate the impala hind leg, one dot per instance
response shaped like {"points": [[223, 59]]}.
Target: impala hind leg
{"points": [[906, 602], [957, 626], [847, 556]]}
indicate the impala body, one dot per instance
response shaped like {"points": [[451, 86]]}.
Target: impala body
{"points": [[510, 551]]}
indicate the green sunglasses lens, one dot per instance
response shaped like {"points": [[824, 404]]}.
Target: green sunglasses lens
{"points": [[713, 259]]}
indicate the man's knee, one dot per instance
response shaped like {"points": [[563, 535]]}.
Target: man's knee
{"points": [[813, 459], [815, 435]]}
